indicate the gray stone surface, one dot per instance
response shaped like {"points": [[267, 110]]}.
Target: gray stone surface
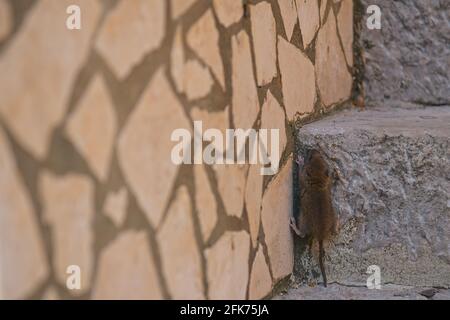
{"points": [[408, 59], [343, 292], [392, 198]]}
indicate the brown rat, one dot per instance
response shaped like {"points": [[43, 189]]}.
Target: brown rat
{"points": [[318, 218]]}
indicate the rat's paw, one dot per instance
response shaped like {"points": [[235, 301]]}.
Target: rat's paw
{"points": [[300, 160], [293, 225], [292, 222]]}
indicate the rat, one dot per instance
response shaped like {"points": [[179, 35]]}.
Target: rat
{"points": [[318, 218]]}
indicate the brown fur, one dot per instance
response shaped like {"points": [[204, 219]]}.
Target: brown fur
{"points": [[318, 218]]}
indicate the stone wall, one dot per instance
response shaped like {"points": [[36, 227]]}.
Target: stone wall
{"points": [[86, 177], [407, 59]]}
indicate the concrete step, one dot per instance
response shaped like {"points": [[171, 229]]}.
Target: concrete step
{"points": [[359, 292], [393, 200]]}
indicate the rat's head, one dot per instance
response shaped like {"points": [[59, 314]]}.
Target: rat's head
{"points": [[316, 163]]}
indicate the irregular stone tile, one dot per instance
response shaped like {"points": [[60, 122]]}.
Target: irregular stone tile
{"points": [[333, 78], [124, 38], [345, 26], [253, 195], [309, 19], [245, 102], [227, 264], [323, 7], [116, 206], [197, 80], [275, 220], [228, 12], [68, 208], [51, 294], [92, 128], [6, 19], [190, 77], [265, 42], [231, 181], [230, 178], [181, 263], [206, 203], [177, 60], [212, 120], [260, 280], [144, 150], [289, 14], [297, 78], [126, 270], [272, 117], [23, 263], [203, 38], [179, 7], [42, 61]]}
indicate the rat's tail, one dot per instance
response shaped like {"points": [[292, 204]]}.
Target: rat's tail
{"points": [[322, 269]]}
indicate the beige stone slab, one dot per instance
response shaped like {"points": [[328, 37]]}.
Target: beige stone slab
{"points": [[115, 206], [39, 67], [6, 19], [177, 60], [323, 7], [245, 104], [197, 80], [345, 26], [191, 77], [309, 19], [289, 14], [203, 38], [276, 213], [92, 127], [227, 263], [212, 119], [333, 78], [264, 42], [228, 12], [231, 183], [297, 78], [260, 279], [51, 294], [272, 117], [130, 31], [179, 7], [68, 208], [144, 146], [23, 265], [253, 196], [181, 263], [126, 270], [206, 202]]}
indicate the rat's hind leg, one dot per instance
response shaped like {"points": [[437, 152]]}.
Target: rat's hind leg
{"points": [[335, 227]]}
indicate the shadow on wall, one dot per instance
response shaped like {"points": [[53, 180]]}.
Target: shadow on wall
{"points": [[87, 184]]}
